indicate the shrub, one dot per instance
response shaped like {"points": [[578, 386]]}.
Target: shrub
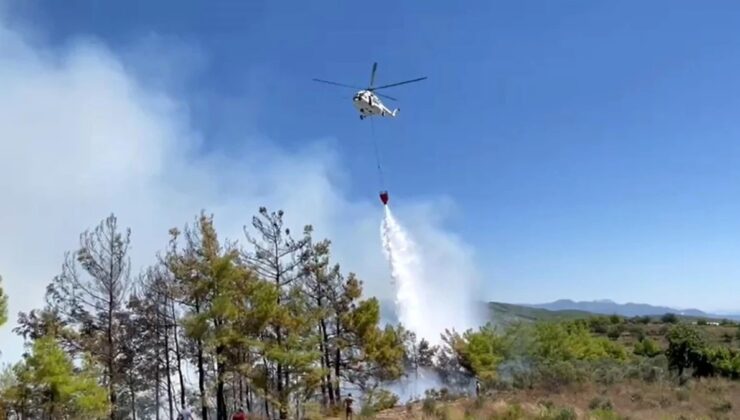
{"points": [[683, 394], [381, 399], [514, 412], [429, 406], [642, 320], [669, 318], [559, 374], [614, 332], [608, 374], [312, 411], [602, 414], [722, 406], [648, 348], [600, 403], [565, 413]]}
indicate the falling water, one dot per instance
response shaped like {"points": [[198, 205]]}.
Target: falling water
{"points": [[406, 271], [432, 295]]}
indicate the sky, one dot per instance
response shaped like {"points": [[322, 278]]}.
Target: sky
{"points": [[579, 149]]}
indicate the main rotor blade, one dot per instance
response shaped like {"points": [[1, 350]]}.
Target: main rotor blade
{"points": [[399, 83], [372, 75], [387, 97], [337, 84]]}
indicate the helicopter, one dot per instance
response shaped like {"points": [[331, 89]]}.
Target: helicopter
{"points": [[367, 102]]}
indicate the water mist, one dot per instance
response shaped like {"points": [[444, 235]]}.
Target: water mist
{"points": [[433, 285]]}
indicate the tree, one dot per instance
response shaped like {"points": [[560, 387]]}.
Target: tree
{"points": [[92, 301], [669, 318], [3, 304], [276, 257], [187, 271], [479, 352], [50, 386], [685, 347]]}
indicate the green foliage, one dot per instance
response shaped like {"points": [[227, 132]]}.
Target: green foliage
{"points": [[685, 349], [3, 304], [554, 413], [722, 406], [615, 331], [641, 320], [48, 376], [669, 318], [572, 341], [380, 399], [600, 403], [647, 347], [481, 352]]}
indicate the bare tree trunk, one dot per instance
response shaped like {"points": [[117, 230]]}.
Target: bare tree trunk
{"points": [[133, 400], [202, 382], [327, 360], [168, 368], [177, 355], [220, 398], [110, 350], [201, 374], [322, 349], [337, 361], [156, 380]]}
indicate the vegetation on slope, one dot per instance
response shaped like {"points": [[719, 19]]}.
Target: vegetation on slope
{"points": [[278, 328]]}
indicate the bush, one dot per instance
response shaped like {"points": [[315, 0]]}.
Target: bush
{"points": [[514, 412], [614, 332], [552, 413], [608, 374], [559, 374], [722, 406], [683, 394], [600, 403], [641, 320], [312, 411], [602, 414], [429, 406], [648, 348], [669, 318], [380, 399]]}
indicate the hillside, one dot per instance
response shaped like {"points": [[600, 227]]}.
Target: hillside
{"points": [[505, 313], [609, 307]]}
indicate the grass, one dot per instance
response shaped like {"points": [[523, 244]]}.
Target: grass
{"points": [[710, 399]]}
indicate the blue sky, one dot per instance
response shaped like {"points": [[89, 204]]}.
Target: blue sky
{"points": [[591, 149]]}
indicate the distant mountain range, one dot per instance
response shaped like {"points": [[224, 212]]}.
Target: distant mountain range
{"points": [[609, 307]]}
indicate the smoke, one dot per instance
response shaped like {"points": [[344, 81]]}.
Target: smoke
{"points": [[431, 296]]}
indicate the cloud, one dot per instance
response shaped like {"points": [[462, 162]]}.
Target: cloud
{"points": [[86, 131]]}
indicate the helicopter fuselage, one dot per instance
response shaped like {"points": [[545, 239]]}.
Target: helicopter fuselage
{"points": [[368, 104]]}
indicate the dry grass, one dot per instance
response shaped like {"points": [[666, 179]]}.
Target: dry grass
{"points": [[706, 399]]}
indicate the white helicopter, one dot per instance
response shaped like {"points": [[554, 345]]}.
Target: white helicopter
{"points": [[367, 101]]}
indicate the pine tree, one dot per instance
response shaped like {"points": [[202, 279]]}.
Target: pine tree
{"points": [[47, 385], [277, 258], [92, 301]]}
